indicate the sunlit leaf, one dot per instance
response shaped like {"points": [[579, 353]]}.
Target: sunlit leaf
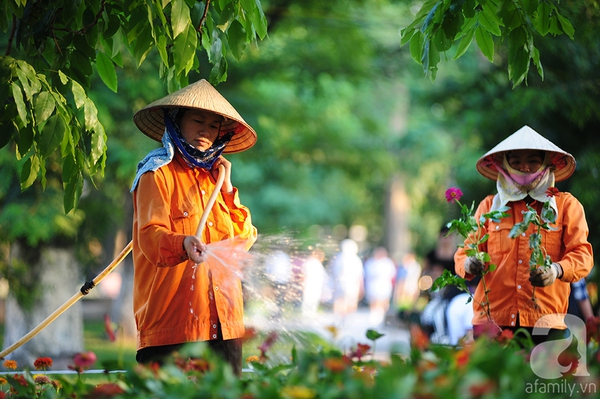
{"points": [[44, 106]]}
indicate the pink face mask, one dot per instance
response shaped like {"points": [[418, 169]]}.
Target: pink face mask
{"points": [[522, 178], [526, 178]]}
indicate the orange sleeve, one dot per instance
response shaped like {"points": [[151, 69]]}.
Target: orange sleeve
{"points": [[578, 259], [159, 243]]}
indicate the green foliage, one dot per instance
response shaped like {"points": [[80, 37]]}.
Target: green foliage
{"points": [[50, 49], [542, 221], [439, 24]]}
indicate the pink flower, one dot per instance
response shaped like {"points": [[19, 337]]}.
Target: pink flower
{"points": [[84, 360], [453, 194]]}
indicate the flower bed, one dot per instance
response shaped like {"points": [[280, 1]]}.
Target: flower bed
{"points": [[486, 368]]}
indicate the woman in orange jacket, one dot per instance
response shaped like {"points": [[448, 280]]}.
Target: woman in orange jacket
{"points": [[179, 297], [525, 166]]}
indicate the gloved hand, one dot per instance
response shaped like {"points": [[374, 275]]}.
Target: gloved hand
{"points": [[474, 266], [545, 276]]}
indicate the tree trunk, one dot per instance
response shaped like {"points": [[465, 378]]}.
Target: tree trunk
{"points": [[59, 280]]}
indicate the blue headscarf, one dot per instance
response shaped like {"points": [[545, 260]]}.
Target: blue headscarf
{"points": [[193, 156]]}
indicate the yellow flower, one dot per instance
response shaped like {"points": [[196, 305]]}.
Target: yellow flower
{"points": [[298, 392], [10, 364], [333, 330], [3, 381], [252, 359]]}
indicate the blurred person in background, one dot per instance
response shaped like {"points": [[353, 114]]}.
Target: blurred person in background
{"points": [[347, 275], [380, 274]]}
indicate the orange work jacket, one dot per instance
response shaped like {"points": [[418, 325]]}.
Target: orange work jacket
{"points": [[174, 300], [510, 291]]}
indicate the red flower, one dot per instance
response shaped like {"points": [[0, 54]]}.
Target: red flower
{"points": [[106, 391], [592, 326], [360, 351], [453, 194], [20, 379], [480, 389], [336, 365], [552, 192], [418, 338], [505, 336], [42, 363]]}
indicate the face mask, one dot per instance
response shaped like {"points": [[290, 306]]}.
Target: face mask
{"points": [[522, 178], [193, 156]]}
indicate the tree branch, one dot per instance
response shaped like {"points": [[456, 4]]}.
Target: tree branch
{"points": [[203, 19], [12, 35]]}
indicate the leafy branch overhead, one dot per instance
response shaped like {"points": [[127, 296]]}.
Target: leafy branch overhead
{"points": [[441, 24], [49, 53]]}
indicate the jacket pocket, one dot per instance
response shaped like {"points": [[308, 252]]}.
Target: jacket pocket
{"points": [[185, 219], [552, 242]]}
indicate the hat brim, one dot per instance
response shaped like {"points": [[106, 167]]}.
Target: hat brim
{"points": [[199, 95], [526, 138]]}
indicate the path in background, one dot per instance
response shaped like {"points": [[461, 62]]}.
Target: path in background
{"points": [[350, 331]]}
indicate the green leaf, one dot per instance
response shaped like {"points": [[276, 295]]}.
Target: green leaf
{"points": [[543, 18], [90, 115], [73, 190], [485, 42], [464, 43], [236, 36], [51, 136], [30, 171], [24, 140], [180, 17], [19, 102], [78, 94], [259, 20], [44, 106], [98, 143], [488, 19], [566, 26], [416, 46], [106, 70], [373, 335], [185, 48]]}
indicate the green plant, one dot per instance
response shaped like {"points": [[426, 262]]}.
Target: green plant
{"points": [[470, 229], [539, 256]]}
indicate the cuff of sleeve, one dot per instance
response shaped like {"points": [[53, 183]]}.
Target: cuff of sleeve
{"points": [[183, 256], [560, 271], [231, 199]]}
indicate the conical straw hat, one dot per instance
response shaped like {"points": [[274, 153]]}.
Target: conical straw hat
{"points": [[199, 95], [527, 139]]}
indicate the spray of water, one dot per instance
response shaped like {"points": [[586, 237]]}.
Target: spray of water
{"points": [[272, 278]]}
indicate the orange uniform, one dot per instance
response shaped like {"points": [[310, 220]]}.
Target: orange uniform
{"points": [[510, 291], [176, 301]]}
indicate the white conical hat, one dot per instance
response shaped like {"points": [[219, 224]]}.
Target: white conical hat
{"points": [[199, 95], [527, 139]]}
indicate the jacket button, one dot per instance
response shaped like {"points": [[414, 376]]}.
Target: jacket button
{"points": [[185, 214]]}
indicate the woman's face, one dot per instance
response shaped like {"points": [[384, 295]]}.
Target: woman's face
{"points": [[526, 161], [200, 128]]}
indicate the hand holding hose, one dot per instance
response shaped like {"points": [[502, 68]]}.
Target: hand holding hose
{"points": [[195, 249]]}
